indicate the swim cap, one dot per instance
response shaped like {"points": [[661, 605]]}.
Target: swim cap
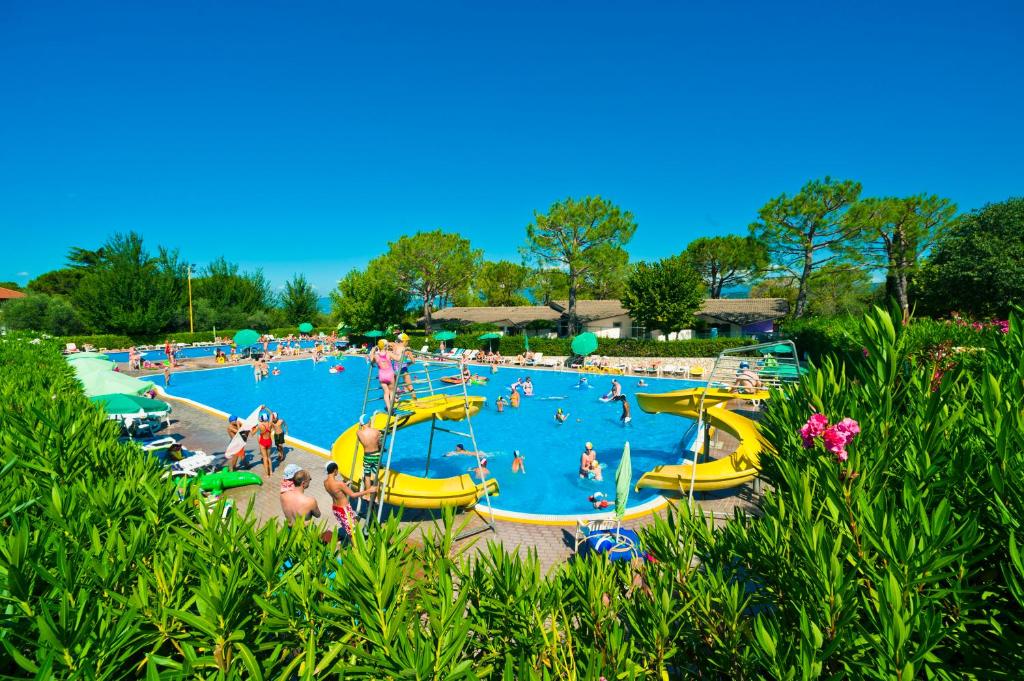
{"points": [[232, 418], [403, 337], [382, 344], [590, 445], [559, 410]]}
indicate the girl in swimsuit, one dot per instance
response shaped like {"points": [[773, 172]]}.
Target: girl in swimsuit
{"points": [[385, 372], [265, 433]]}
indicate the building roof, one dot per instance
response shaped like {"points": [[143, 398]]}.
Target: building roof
{"points": [[6, 293], [592, 310], [743, 311], [503, 316]]}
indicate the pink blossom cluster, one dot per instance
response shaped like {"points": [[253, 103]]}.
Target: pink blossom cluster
{"points": [[1001, 325], [834, 437]]}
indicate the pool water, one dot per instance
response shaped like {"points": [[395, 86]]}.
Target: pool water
{"points": [[319, 405]]}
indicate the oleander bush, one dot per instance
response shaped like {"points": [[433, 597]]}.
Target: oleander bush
{"points": [[892, 552]]}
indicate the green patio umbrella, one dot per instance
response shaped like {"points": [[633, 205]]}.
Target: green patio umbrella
{"points": [[246, 337], [444, 335], [88, 364], [490, 337], [108, 382], [125, 405], [776, 349], [86, 355], [623, 481], [374, 334], [526, 342], [305, 327], [584, 344]]}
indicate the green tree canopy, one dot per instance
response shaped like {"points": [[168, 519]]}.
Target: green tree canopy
{"points": [[368, 299], [227, 288], [725, 261], [299, 301], [12, 285], [431, 266], [977, 266], [62, 282], [606, 279], [808, 230], [128, 290], [663, 295], [895, 233], [501, 283], [549, 284], [574, 236], [41, 313], [839, 289]]}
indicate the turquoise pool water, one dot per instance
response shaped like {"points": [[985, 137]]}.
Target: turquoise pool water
{"points": [[318, 405]]}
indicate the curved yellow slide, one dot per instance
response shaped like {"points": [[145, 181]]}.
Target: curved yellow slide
{"points": [[401, 489], [730, 471]]}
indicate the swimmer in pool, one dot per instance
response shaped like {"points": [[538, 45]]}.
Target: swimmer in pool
{"points": [[513, 399], [518, 462], [588, 457], [625, 418], [599, 501], [500, 403], [641, 383], [459, 449], [481, 470], [561, 416], [528, 387], [583, 382]]}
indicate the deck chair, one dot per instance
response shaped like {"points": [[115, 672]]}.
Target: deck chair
{"points": [[194, 464], [70, 348], [616, 543], [535, 360]]}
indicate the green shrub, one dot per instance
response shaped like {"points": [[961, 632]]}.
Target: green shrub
{"points": [[108, 341]]}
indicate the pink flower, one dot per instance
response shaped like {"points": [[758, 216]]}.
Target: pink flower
{"points": [[865, 352], [841, 455], [849, 427], [814, 427], [835, 441]]}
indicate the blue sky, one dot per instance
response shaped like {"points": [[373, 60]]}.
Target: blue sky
{"points": [[304, 136]]}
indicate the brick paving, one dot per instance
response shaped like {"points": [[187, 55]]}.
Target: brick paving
{"points": [[197, 429]]}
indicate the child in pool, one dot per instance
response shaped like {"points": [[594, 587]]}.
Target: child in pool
{"points": [[599, 501], [595, 472], [560, 416], [518, 465], [500, 403]]}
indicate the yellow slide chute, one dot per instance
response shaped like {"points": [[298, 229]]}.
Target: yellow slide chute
{"points": [[730, 471], [410, 491]]}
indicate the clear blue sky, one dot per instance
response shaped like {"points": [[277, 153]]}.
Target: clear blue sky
{"points": [[304, 136]]}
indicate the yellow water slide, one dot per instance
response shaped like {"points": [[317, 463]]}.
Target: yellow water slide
{"points": [[730, 471], [410, 491]]}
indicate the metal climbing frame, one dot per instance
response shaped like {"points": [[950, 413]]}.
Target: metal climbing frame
{"points": [[776, 365], [424, 382]]}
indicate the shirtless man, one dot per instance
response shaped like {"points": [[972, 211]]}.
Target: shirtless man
{"points": [[747, 381], [513, 399], [295, 503], [280, 429], [625, 418], [371, 439], [341, 494]]}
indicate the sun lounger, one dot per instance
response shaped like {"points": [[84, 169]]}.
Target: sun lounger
{"points": [[198, 462], [537, 357], [70, 348]]}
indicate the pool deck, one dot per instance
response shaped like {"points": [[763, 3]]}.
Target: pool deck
{"points": [[197, 429]]}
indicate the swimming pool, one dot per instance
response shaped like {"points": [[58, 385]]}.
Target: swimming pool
{"points": [[319, 405]]}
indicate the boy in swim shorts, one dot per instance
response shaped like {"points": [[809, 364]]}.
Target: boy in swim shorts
{"points": [[341, 506], [371, 438]]}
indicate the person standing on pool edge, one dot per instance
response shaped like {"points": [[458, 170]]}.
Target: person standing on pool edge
{"points": [[280, 429], [265, 434]]}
